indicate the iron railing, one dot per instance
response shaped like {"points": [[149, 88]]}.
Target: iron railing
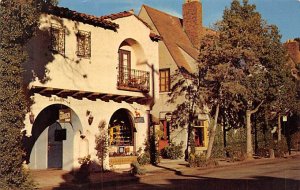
{"points": [[133, 80]]}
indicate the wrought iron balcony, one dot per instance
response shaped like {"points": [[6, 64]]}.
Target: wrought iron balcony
{"points": [[133, 80]]}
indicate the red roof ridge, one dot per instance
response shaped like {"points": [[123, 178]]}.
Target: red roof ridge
{"points": [[115, 16], [81, 17]]}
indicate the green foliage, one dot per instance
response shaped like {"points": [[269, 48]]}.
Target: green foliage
{"points": [[199, 160], [18, 21], [51, 2], [153, 151], [83, 173], [295, 142], [235, 146], [244, 66], [144, 156], [173, 151], [280, 148], [136, 169], [101, 142], [85, 160]]}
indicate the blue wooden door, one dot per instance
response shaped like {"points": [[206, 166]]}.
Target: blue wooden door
{"points": [[55, 147]]}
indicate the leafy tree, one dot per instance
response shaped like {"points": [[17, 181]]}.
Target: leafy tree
{"points": [[243, 66], [18, 20], [101, 141], [187, 85]]}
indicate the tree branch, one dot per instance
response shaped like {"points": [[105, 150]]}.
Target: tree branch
{"points": [[257, 107]]}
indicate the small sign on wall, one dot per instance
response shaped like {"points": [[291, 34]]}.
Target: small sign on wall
{"points": [[65, 116], [139, 120]]}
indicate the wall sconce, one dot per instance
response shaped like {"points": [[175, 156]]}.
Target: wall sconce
{"points": [[82, 136], [90, 119], [31, 118], [88, 112]]}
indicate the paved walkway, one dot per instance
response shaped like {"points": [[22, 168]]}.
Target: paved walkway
{"points": [[59, 179]]}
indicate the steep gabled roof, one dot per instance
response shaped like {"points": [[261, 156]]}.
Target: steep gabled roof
{"points": [[170, 28]]}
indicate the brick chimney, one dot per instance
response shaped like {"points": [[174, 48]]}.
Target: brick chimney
{"points": [[192, 20], [292, 46]]}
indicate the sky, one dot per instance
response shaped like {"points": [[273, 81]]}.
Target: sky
{"points": [[283, 13]]}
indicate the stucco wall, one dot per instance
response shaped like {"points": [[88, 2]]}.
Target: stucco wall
{"points": [[74, 147], [95, 74]]}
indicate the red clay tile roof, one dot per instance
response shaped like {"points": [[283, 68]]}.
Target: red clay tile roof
{"points": [[81, 17], [94, 20], [118, 15]]}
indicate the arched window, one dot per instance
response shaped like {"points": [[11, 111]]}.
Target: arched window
{"points": [[120, 133]]}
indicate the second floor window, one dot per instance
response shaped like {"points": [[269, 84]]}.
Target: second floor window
{"points": [[83, 44], [57, 39], [164, 80]]}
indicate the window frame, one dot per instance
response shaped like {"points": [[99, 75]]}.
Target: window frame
{"points": [[85, 51], [57, 37], [167, 82], [202, 140]]}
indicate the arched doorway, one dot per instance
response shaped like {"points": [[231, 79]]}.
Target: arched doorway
{"points": [[53, 142], [121, 134]]}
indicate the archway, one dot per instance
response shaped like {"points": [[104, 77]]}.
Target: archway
{"points": [[52, 142], [136, 53], [121, 134]]}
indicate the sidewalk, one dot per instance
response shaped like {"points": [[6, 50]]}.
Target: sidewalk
{"points": [[59, 179]]}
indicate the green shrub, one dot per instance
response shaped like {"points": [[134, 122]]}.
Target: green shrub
{"points": [[101, 141], [280, 148], [173, 151], [199, 160], [295, 138], [235, 153], [83, 173], [136, 169], [144, 158]]}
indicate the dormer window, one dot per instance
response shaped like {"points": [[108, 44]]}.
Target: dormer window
{"points": [[57, 39], [83, 44]]}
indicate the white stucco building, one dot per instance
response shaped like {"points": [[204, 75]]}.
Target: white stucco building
{"points": [[84, 70]]}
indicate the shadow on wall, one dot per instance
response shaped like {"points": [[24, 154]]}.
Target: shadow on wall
{"points": [[46, 118], [40, 54]]}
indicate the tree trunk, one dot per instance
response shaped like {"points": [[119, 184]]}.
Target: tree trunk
{"points": [[186, 152], [279, 128], [212, 133], [249, 129], [249, 135], [255, 137]]}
